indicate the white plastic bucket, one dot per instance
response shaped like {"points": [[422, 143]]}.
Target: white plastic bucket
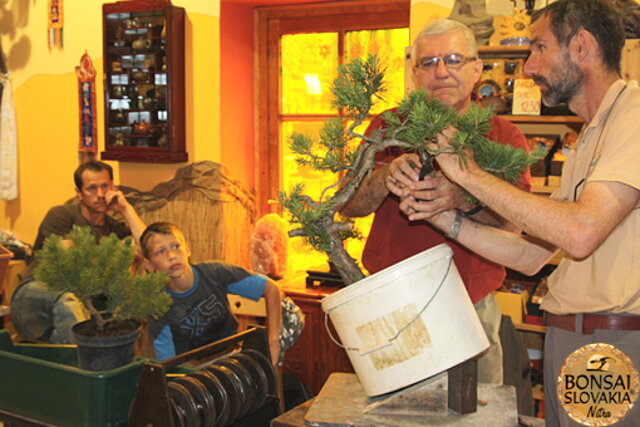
{"points": [[408, 322]]}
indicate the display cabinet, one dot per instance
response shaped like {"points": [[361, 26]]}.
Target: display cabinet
{"points": [[144, 81]]}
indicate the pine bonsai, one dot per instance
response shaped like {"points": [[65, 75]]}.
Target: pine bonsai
{"points": [[89, 270], [415, 123]]}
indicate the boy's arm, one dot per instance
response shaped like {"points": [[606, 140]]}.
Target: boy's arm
{"points": [[163, 345], [273, 302]]}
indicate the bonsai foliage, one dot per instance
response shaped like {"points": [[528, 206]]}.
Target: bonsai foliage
{"points": [[89, 269], [412, 126]]}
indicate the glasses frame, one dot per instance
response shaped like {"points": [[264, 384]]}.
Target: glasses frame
{"points": [[443, 58]]}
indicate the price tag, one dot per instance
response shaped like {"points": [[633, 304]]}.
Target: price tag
{"points": [[526, 98]]}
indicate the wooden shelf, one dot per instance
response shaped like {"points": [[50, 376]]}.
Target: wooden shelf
{"points": [[529, 327], [543, 189], [504, 50], [543, 119]]}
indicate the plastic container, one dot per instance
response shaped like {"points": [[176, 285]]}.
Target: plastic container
{"points": [[43, 383], [407, 323]]}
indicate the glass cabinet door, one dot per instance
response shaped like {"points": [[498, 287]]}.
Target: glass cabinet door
{"points": [[144, 82]]}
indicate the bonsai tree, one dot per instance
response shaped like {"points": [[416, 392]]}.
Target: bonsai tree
{"points": [[412, 126], [89, 270]]}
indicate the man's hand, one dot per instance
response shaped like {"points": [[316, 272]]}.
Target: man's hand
{"points": [[403, 171], [449, 162], [116, 201], [437, 194], [418, 209]]}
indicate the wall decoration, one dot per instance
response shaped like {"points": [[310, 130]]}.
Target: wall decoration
{"points": [[55, 23], [87, 98], [8, 142], [473, 13], [511, 30]]}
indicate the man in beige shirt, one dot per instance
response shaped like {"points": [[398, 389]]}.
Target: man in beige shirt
{"points": [[594, 294]]}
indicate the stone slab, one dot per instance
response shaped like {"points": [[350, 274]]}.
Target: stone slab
{"points": [[428, 397], [342, 401]]}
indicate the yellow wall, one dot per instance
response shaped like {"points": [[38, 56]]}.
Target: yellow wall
{"points": [[46, 101]]}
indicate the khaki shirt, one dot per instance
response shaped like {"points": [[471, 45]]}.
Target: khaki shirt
{"points": [[608, 149]]}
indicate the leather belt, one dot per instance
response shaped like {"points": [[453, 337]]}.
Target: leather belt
{"points": [[591, 322]]}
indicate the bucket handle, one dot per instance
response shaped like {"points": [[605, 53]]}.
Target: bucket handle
{"points": [[365, 351]]}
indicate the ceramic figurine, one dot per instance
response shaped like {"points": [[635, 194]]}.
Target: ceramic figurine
{"points": [[120, 117], [140, 44], [119, 140], [162, 141], [149, 62], [131, 23], [139, 76], [116, 66], [141, 127], [117, 91], [148, 103]]}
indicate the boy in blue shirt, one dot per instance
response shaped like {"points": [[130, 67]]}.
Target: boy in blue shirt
{"points": [[200, 313]]}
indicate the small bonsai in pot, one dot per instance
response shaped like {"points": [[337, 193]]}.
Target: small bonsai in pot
{"points": [[102, 271]]}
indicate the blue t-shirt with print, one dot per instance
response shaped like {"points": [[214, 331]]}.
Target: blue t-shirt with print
{"points": [[202, 314]]}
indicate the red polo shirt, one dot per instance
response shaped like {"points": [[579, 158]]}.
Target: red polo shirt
{"points": [[393, 238]]}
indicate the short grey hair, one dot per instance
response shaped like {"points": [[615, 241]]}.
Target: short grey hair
{"points": [[444, 26]]}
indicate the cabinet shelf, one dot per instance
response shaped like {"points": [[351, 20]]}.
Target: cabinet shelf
{"points": [[521, 51], [542, 119]]}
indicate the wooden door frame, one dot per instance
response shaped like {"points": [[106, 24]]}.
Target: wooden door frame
{"points": [[272, 22]]}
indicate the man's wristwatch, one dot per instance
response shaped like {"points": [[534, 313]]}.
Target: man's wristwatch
{"points": [[455, 227]]}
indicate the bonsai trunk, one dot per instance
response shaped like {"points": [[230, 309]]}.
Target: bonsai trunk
{"points": [[361, 168], [95, 314]]}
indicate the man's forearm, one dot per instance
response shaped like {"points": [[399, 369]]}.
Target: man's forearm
{"points": [[520, 253], [488, 217], [369, 196], [576, 227], [135, 223]]}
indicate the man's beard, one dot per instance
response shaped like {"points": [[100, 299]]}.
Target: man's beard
{"points": [[567, 80]]}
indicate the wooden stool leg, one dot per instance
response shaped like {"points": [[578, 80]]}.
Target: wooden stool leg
{"points": [[463, 387], [280, 388]]}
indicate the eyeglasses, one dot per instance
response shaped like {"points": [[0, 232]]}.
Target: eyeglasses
{"points": [[453, 61]]}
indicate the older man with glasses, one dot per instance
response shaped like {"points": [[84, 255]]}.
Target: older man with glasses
{"points": [[446, 65]]}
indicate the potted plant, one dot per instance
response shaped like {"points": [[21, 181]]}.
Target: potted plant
{"points": [[102, 270], [416, 123]]}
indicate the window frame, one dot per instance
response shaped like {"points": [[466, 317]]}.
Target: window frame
{"points": [[270, 24]]}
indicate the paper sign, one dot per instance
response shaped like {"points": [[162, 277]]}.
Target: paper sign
{"points": [[526, 98]]}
